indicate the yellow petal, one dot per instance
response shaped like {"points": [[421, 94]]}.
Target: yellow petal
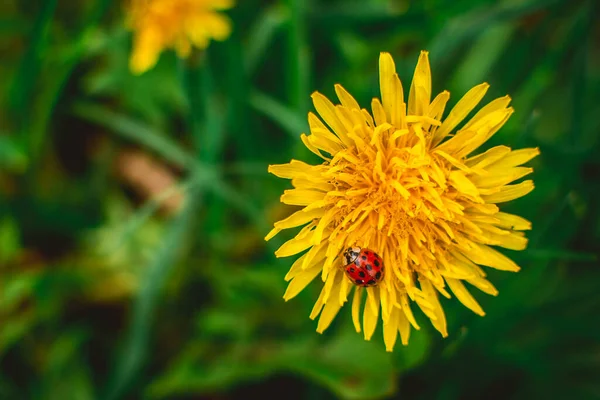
{"points": [[371, 312], [510, 192], [331, 282], [323, 224], [292, 169], [420, 89], [272, 233], [508, 240], [300, 217], [464, 296], [300, 282], [293, 246], [218, 26], [318, 305], [332, 307], [516, 158], [511, 221], [407, 311], [494, 105], [301, 197], [222, 4], [398, 111], [319, 182], [485, 255], [378, 112], [439, 323], [387, 69], [147, 45], [356, 302], [322, 137], [403, 328], [460, 111], [311, 146], [390, 330], [484, 285], [298, 243], [490, 125], [437, 107], [326, 110], [346, 98], [295, 269], [463, 184], [500, 177], [345, 286], [489, 157]]}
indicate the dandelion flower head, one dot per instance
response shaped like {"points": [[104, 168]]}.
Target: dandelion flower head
{"points": [[178, 24], [406, 182]]}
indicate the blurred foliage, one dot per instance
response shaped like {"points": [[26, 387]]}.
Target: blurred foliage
{"points": [[147, 276]]}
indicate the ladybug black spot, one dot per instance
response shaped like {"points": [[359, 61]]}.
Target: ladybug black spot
{"points": [[376, 262], [359, 281], [369, 267], [371, 282], [351, 270], [364, 257], [361, 274], [378, 275]]}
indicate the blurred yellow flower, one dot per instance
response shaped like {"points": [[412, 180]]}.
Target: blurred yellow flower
{"points": [[403, 182], [178, 24]]}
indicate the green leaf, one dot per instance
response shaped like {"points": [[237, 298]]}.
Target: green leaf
{"points": [[138, 132]]}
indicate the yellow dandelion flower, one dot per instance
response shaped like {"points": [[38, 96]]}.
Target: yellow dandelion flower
{"points": [[402, 181], [178, 24]]}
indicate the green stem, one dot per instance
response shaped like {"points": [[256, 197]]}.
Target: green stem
{"points": [[297, 57]]}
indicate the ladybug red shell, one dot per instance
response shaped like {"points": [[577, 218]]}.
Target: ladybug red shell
{"points": [[364, 267]]}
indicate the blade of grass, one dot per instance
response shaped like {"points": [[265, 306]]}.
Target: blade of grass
{"points": [[247, 169], [135, 348], [482, 56], [206, 125], [384, 15], [581, 42], [210, 144], [289, 120], [22, 89], [61, 66], [206, 115], [297, 57], [467, 26], [139, 133], [262, 34]]}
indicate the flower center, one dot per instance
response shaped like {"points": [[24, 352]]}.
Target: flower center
{"points": [[393, 187]]}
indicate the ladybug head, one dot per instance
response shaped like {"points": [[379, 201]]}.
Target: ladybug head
{"points": [[351, 254]]}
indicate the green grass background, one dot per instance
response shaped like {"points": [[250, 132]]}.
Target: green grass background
{"points": [[105, 296]]}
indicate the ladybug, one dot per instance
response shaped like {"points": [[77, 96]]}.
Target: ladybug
{"points": [[364, 267]]}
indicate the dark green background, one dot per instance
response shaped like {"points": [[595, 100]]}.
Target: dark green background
{"points": [[104, 295]]}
